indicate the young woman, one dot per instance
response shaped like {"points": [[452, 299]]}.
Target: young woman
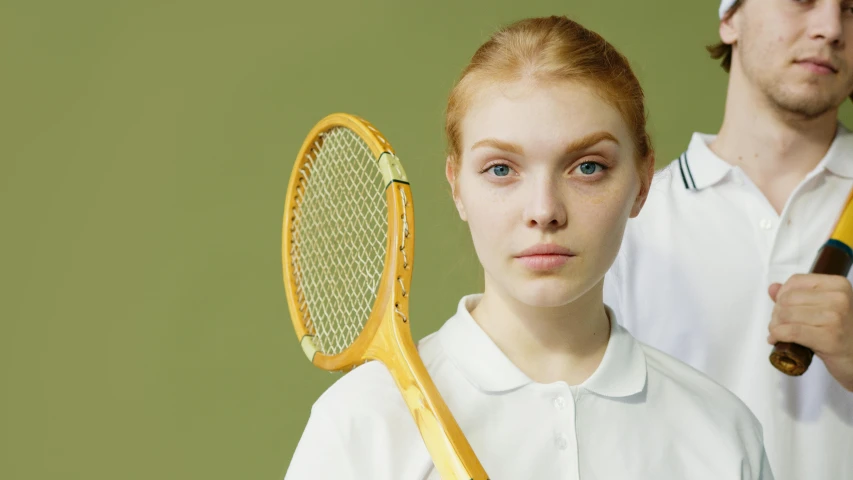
{"points": [[548, 159]]}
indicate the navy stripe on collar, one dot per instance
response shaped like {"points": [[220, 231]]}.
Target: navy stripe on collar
{"points": [[689, 173], [683, 167]]}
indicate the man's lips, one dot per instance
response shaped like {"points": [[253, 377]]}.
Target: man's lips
{"points": [[817, 65]]}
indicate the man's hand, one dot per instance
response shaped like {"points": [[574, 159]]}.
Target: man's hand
{"points": [[816, 311]]}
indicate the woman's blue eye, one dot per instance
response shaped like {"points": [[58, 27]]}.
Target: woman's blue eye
{"points": [[590, 168], [500, 170]]}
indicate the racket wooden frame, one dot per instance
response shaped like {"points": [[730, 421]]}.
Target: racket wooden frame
{"points": [[386, 335]]}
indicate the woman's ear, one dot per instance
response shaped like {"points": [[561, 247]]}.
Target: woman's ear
{"points": [[645, 184], [450, 172]]}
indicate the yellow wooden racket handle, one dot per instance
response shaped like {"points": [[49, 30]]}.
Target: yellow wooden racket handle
{"points": [[843, 231], [392, 344], [450, 451], [834, 258]]}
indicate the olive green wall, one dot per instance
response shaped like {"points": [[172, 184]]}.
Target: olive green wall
{"points": [[144, 153]]}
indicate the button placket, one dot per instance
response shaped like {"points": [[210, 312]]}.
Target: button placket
{"points": [[565, 433], [562, 441], [571, 448]]}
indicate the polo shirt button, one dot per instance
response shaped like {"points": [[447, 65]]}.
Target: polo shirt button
{"points": [[562, 442], [765, 223], [560, 403]]}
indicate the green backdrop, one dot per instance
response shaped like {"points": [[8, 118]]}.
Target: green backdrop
{"points": [[144, 153]]}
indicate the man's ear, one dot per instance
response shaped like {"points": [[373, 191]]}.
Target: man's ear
{"points": [[450, 173], [729, 31], [645, 185]]}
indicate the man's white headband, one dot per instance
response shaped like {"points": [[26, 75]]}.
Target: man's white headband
{"points": [[725, 5]]}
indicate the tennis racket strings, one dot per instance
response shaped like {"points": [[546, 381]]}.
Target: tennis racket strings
{"points": [[340, 233]]}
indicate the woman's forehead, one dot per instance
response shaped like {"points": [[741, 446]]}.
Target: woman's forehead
{"points": [[539, 113]]}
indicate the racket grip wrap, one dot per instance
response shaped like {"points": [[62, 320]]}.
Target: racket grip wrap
{"points": [[834, 258]]}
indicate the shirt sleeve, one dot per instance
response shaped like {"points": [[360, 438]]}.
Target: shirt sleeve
{"points": [[321, 452]]}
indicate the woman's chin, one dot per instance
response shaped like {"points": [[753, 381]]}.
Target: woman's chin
{"points": [[548, 292]]}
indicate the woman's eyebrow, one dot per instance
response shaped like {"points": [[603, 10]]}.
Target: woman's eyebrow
{"points": [[579, 144], [589, 141], [500, 145]]}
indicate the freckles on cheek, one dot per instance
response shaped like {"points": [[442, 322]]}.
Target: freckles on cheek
{"points": [[487, 211], [600, 196], [488, 217], [607, 210], [600, 221]]}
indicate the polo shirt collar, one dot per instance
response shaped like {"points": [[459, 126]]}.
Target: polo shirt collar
{"points": [[839, 157], [700, 167], [622, 371]]}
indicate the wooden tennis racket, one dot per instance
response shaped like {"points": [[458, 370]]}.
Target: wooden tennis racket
{"points": [[834, 258], [347, 255]]}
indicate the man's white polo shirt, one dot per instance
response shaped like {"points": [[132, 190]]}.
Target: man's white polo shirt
{"points": [[641, 415], [692, 278]]}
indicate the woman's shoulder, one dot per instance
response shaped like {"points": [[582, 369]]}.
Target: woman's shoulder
{"points": [[370, 390], [690, 387], [366, 390], [691, 402], [360, 428]]}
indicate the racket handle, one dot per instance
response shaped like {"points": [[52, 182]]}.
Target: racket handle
{"points": [[452, 455], [834, 258]]}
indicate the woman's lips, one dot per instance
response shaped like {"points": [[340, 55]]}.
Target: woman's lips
{"points": [[544, 262]]}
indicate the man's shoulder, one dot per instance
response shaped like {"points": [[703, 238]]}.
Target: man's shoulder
{"points": [[670, 203], [668, 183]]}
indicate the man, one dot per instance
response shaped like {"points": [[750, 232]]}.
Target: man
{"points": [[714, 269]]}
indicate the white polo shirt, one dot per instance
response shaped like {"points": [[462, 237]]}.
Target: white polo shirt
{"points": [[641, 415], [692, 277]]}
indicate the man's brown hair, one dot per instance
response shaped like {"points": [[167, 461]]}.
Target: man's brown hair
{"points": [[721, 49]]}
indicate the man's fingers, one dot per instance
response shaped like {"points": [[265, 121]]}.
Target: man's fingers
{"points": [[806, 315], [773, 290], [815, 338], [827, 299], [816, 281]]}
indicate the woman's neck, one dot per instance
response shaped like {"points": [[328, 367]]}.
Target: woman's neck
{"points": [[549, 344]]}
